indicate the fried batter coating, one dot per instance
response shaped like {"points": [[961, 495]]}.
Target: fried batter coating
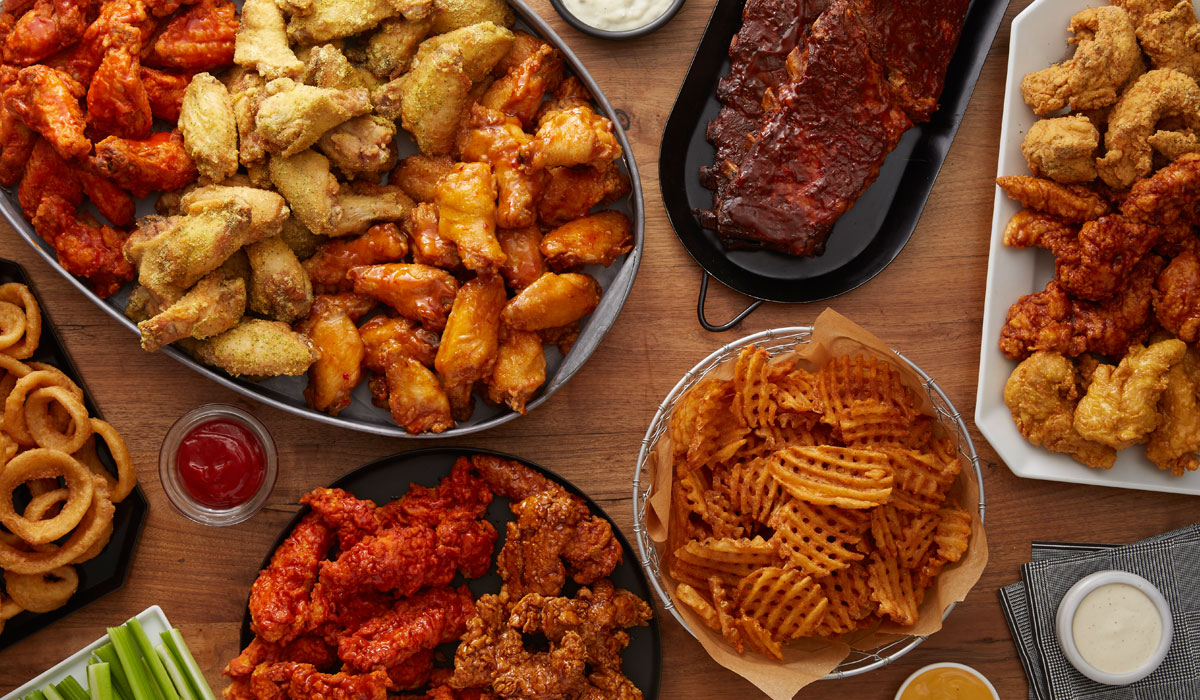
{"points": [[171, 254], [1120, 408], [569, 193], [1169, 196], [201, 39], [418, 175], [268, 211], [553, 300], [1141, 9], [209, 128], [16, 139], [1030, 228], [1174, 443], [293, 116], [1177, 297], [470, 343], [338, 368], [362, 203], [434, 97], [258, 348], [47, 101], [364, 145], [466, 199], [493, 138], [1062, 149], [117, 100], [114, 203], [1171, 39], [262, 41], [327, 67], [413, 625], [328, 267], [1071, 203], [1041, 393], [520, 369], [1106, 54], [390, 49], [279, 287], [575, 136], [279, 598], [420, 292], [416, 399], [592, 240], [524, 263], [46, 173], [214, 305], [449, 15], [1173, 144], [333, 19], [157, 163], [1098, 263], [519, 91], [598, 615], [84, 247], [481, 46], [288, 680], [325, 207], [1157, 94]]}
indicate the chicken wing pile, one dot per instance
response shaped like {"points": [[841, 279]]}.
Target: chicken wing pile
{"points": [[818, 93], [433, 278], [356, 600], [1109, 347], [82, 82]]}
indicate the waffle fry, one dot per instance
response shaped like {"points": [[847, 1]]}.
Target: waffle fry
{"points": [[752, 390], [838, 476], [788, 603], [750, 489], [846, 380], [850, 605], [682, 427], [759, 639], [892, 587], [952, 537], [730, 630], [905, 537], [724, 520], [872, 423], [718, 434], [728, 559], [817, 539], [695, 600]]}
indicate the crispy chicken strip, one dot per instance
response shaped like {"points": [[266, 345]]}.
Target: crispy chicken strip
{"points": [[1042, 394], [466, 199], [419, 292], [1167, 197], [1121, 405], [293, 116], [413, 625], [1030, 228], [1171, 38], [1176, 440], [288, 680], [593, 240], [279, 598], [1106, 54], [338, 368], [471, 339], [262, 41], [279, 286], [1062, 149], [1177, 297], [1071, 203], [1099, 262], [1157, 94], [552, 301], [209, 128], [214, 305], [257, 348]]}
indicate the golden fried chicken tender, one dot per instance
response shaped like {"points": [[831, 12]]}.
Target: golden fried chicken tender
{"points": [[279, 286], [1139, 10], [416, 398], [268, 210], [1071, 203], [1174, 443], [1171, 39], [1121, 405], [418, 175], [214, 305], [293, 116], [494, 138], [257, 348], [420, 292], [466, 200], [334, 19], [1041, 394], [1157, 94], [1174, 144], [434, 97], [262, 41], [390, 49], [1030, 228], [470, 343], [553, 300], [209, 128], [520, 369], [575, 136], [364, 145], [593, 240], [173, 253], [1062, 149], [340, 352], [481, 45], [449, 15], [1106, 54]]}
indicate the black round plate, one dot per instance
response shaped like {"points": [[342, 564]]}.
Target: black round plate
{"points": [[106, 573], [868, 236], [388, 478]]}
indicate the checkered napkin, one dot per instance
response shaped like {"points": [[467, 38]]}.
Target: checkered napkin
{"points": [[1171, 561]]}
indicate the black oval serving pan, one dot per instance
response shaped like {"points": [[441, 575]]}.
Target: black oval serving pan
{"points": [[106, 573], [868, 236], [388, 478]]}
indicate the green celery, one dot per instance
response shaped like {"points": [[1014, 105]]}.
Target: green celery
{"points": [[70, 689], [158, 695], [100, 682], [155, 664], [36, 695], [51, 693], [177, 676], [183, 656], [108, 655], [140, 683]]}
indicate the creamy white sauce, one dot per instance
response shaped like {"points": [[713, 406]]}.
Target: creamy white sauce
{"points": [[617, 15], [1116, 628]]}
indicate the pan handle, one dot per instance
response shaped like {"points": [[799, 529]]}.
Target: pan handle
{"points": [[724, 326]]}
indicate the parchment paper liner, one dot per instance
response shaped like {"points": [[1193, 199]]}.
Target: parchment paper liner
{"points": [[806, 661]]}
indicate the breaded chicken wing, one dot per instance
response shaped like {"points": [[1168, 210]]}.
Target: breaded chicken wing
{"points": [[328, 267], [279, 287], [1041, 393], [418, 175], [1071, 203], [325, 207], [1174, 443], [569, 193], [262, 41], [419, 292], [201, 39], [481, 46], [46, 173], [293, 116], [114, 203], [1062, 149], [552, 301], [326, 66], [1121, 405], [575, 136], [1106, 54], [433, 99], [257, 348], [268, 212], [361, 203], [384, 334], [214, 305], [470, 342], [157, 163], [47, 101], [524, 263], [333, 19], [520, 369], [209, 128], [466, 199], [364, 145], [493, 138], [390, 49], [414, 624], [1177, 297], [592, 240], [428, 246], [117, 101], [449, 15], [338, 368]]}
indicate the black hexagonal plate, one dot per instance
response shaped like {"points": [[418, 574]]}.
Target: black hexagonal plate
{"points": [[106, 573]]}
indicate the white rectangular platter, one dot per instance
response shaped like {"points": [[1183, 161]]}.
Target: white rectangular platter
{"points": [[1039, 38]]}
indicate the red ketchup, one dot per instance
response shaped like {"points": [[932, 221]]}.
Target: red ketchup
{"points": [[221, 463]]}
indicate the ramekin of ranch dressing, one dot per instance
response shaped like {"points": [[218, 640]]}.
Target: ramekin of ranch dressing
{"points": [[617, 19], [1114, 627]]}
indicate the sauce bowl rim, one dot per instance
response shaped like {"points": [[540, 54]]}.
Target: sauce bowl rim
{"points": [[947, 664]]}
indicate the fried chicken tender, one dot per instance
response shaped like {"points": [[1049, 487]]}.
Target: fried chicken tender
{"points": [[293, 116], [553, 300], [520, 369], [84, 247], [519, 91], [1042, 394], [1177, 297], [1106, 54], [466, 199], [257, 348], [1171, 39], [420, 292], [1121, 405], [47, 27], [296, 681], [570, 137], [523, 264], [1098, 263], [157, 163], [1173, 144], [598, 615], [364, 145], [201, 39], [433, 97], [209, 128], [262, 42], [418, 175], [1062, 149], [592, 240], [340, 351], [279, 597], [328, 267], [1176, 440], [570, 193], [117, 101], [1139, 10], [413, 625], [171, 254], [214, 305], [1071, 203], [47, 101], [391, 48], [494, 138], [1167, 197], [307, 649], [279, 287], [1157, 94], [470, 342], [1030, 228]]}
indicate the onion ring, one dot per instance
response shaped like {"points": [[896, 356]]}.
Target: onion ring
{"points": [[9, 609], [38, 464], [39, 486], [97, 547], [66, 381], [12, 324], [20, 295], [41, 424], [90, 529], [14, 405], [40, 593], [126, 474], [88, 457], [8, 449], [41, 505], [14, 369]]}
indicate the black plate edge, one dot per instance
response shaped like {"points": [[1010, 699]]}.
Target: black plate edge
{"points": [[134, 515], [454, 452], [982, 22]]}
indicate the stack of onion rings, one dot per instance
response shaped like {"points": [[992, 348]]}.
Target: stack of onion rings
{"points": [[48, 460]]}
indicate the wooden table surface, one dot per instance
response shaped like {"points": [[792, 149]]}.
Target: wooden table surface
{"points": [[928, 304]]}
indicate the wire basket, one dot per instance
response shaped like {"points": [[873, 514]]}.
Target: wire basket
{"points": [[776, 341]]}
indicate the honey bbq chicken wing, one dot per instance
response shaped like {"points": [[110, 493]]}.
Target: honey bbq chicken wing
{"points": [[466, 199], [419, 292], [570, 193], [523, 261], [428, 246], [383, 334], [418, 175], [570, 137], [328, 267], [593, 240], [519, 91], [493, 138], [338, 368], [470, 342], [415, 397], [552, 301], [520, 369], [1121, 405]]}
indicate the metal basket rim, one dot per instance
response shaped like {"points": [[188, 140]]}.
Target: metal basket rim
{"points": [[891, 651]]}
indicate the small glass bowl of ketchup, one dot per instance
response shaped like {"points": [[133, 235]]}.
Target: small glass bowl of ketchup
{"points": [[218, 465]]}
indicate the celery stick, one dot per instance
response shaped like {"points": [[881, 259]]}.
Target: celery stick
{"points": [[140, 683], [51, 693], [152, 660], [70, 689], [176, 674], [158, 694], [108, 654], [183, 656], [36, 695], [100, 682]]}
